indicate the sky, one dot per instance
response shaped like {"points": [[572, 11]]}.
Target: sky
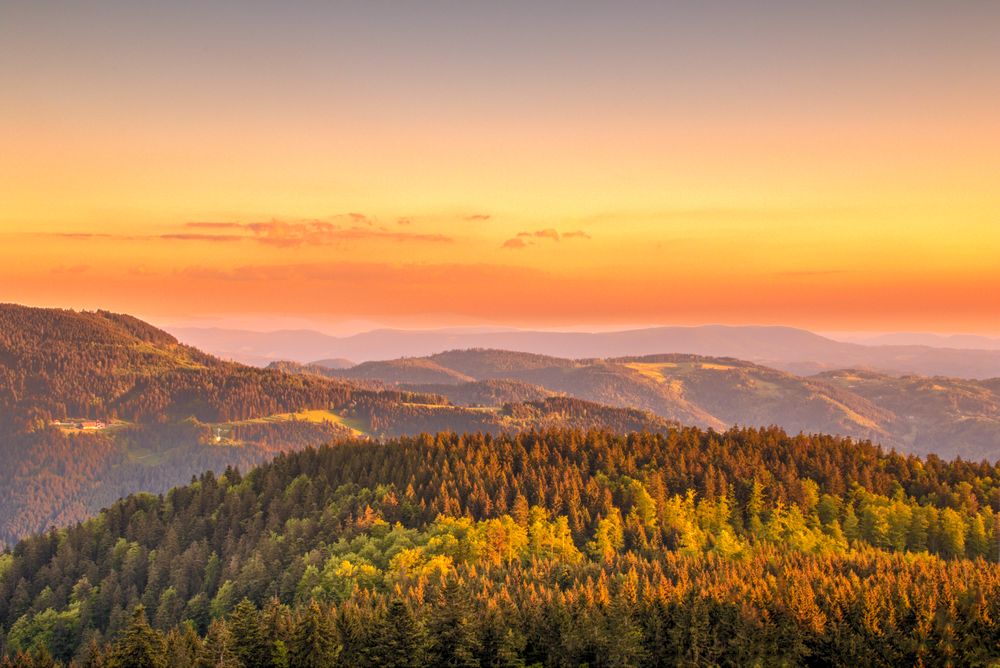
{"points": [[834, 166]]}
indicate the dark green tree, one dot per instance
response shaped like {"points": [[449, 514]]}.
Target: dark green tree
{"points": [[251, 645], [313, 643], [140, 646]]}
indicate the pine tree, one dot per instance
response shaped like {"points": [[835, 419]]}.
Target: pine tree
{"points": [[399, 640], [452, 634], [183, 646], [139, 646], [219, 648], [313, 643], [251, 646]]}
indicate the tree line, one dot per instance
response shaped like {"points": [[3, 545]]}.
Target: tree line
{"points": [[555, 547]]}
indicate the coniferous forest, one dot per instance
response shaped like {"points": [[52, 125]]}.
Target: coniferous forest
{"points": [[554, 334], [560, 547]]}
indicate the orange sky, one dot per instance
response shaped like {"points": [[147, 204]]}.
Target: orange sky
{"points": [[555, 172]]}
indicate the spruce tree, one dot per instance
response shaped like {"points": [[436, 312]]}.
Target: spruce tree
{"points": [[219, 648], [251, 646], [313, 643], [139, 646]]}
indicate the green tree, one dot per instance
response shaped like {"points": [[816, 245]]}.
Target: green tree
{"points": [[400, 640], [250, 643], [139, 646], [313, 643], [219, 648]]}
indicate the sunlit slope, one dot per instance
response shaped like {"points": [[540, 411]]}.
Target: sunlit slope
{"points": [[941, 415]]}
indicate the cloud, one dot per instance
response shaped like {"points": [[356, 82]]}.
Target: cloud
{"points": [[319, 233], [280, 233], [478, 216], [522, 239], [84, 235], [202, 237], [213, 226], [548, 233], [515, 243]]}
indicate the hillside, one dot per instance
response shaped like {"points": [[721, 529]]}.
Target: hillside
{"points": [[555, 548], [949, 417], [486, 392], [94, 406], [784, 348], [933, 412], [406, 370]]}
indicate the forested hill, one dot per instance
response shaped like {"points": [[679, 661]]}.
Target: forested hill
{"points": [[748, 547], [96, 405], [56, 364]]}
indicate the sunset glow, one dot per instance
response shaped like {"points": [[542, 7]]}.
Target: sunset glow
{"points": [[826, 166]]}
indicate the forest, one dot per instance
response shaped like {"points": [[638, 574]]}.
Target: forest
{"points": [[554, 547]]}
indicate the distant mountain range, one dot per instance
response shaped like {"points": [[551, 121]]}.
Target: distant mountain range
{"points": [[963, 341], [946, 416], [785, 348]]}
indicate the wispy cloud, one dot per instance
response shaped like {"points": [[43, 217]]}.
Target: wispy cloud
{"points": [[541, 234], [84, 235], [213, 225], [525, 239], [320, 233], [202, 237], [278, 233], [478, 216], [515, 244]]}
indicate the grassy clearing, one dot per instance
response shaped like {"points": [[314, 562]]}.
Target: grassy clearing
{"points": [[652, 370], [317, 415]]}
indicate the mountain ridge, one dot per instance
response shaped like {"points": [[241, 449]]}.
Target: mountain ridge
{"points": [[922, 414], [784, 348]]}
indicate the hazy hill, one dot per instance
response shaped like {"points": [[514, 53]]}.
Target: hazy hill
{"points": [[784, 348], [918, 414], [94, 406], [967, 341]]}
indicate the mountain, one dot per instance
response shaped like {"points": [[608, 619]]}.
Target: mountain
{"points": [[335, 363], [96, 405], [965, 341], [784, 348], [551, 548], [947, 416]]}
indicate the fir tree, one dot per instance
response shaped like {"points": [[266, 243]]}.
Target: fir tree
{"points": [[139, 646], [313, 643]]}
